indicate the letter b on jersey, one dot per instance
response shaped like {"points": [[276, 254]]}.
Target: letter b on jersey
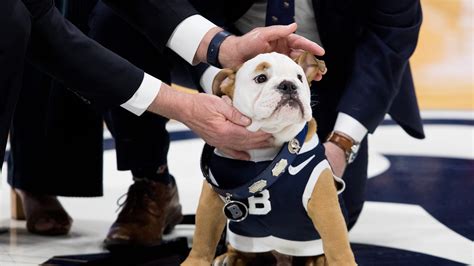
{"points": [[260, 203]]}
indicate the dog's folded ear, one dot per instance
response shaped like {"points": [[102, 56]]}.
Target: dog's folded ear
{"points": [[224, 83], [311, 65]]}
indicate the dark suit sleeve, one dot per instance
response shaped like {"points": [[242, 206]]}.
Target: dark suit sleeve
{"points": [[389, 38], [60, 49], [156, 19]]}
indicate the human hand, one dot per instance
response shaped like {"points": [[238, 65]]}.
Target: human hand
{"points": [[235, 50], [223, 127], [336, 158], [214, 119]]}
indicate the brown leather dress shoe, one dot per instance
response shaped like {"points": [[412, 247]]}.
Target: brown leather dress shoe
{"points": [[44, 214], [151, 209]]}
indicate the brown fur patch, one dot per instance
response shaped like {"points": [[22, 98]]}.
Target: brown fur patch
{"points": [[311, 65], [326, 214], [262, 67], [224, 83], [312, 127], [228, 86], [210, 222]]}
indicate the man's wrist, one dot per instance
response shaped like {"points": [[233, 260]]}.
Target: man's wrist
{"points": [[201, 53], [172, 104], [350, 127], [188, 35], [336, 158], [214, 48], [346, 144], [227, 53], [340, 151], [144, 95]]}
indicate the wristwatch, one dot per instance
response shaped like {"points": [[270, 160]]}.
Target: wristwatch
{"points": [[348, 145]]}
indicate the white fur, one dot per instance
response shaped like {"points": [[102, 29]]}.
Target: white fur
{"points": [[258, 101]]}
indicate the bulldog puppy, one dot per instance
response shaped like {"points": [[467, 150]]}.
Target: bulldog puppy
{"points": [[292, 209]]}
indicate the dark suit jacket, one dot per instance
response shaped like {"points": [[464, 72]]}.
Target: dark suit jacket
{"points": [[368, 44], [61, 50]]}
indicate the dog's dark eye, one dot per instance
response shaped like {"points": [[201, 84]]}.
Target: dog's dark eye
{"points": [[300, 77], [260, 78]]}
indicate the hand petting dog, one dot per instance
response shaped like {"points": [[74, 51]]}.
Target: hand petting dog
{"points": [[235, 50]]}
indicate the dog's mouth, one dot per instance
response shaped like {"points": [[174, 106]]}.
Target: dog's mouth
{"points": [[291, 101]]}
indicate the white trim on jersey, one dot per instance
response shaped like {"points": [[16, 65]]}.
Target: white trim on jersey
{"points": [[340, 181], [308, 190], [269, 243]]}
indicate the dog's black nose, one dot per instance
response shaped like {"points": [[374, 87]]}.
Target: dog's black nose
{"points": [[287, 87]]}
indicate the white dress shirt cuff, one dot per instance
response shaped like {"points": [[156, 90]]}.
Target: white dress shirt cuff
{"points": [[350, 126], [187, 36], [144, 96], [207, 78]]}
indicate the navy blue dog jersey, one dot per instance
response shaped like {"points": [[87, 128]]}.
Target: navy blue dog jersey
{"points": [[278, 218]]}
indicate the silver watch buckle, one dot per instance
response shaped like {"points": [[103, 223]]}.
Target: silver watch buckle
{"points": [[351, 156]]}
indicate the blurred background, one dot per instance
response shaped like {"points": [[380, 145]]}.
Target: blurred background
{"points": [[443, 61], [420, 207]]}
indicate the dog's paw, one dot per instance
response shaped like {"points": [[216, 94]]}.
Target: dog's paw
{"points": [[236, 258], [321, 260], [195, 262], [231, 259], [316, 261]]}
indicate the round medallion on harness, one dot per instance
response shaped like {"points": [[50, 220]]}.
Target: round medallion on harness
{"points": [[294, 146], [235, 211]]}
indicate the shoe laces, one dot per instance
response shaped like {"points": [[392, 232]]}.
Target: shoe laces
{"points": [[135, 197], [121, 201]]}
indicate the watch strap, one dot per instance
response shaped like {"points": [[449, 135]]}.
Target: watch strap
{"points": [[214, 46], [348, 145], [343, 142]]}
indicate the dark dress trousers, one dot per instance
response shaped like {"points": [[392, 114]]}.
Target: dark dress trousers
{"points": [[141, 142], [14, 32], [368, 45], [57, 148]]}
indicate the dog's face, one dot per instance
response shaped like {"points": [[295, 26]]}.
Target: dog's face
{"points": [[271, 89]]}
